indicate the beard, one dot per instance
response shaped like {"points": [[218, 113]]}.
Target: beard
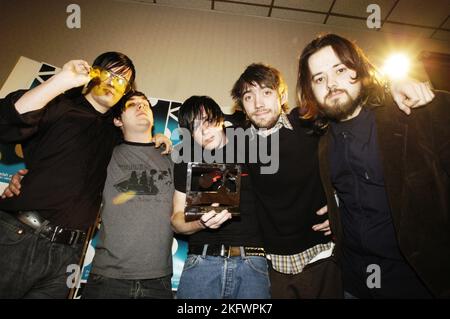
{"points": [[266, 123], [338, 110]]}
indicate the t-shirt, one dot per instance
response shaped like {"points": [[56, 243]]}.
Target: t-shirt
{"points": [[135, 237]]}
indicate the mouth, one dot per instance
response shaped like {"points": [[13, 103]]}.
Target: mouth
{"points": [[335, 94], [261, 113], [140, 113], [108, 92]]}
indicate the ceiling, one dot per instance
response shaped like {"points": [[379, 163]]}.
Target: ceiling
{"points": [[429, 19]]}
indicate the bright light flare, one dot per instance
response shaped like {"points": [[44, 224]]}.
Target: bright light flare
{"points": [[397, 66]]}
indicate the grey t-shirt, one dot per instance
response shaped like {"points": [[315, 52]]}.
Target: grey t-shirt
{"points": [[135, 237]]}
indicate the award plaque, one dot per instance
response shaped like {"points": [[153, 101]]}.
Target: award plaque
{"points": [[208, 184]]}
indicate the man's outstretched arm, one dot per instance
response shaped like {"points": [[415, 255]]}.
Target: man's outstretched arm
{"points": [[73, 74]]}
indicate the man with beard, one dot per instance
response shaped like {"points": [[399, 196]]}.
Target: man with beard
{"points": [[287, 200], [390, 173]]}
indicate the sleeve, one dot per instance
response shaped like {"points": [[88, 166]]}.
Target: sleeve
{"points": [[15, 127], [180, 175]]}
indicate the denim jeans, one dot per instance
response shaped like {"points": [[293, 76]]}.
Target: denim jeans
{"points": [[101, 287], [211, 277], [31, 266]]}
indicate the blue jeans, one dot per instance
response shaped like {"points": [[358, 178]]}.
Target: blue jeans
{"points": [[31, 266], [101, 287], [211, 277]]}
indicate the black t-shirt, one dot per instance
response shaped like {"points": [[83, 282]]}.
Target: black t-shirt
{"points": [[238, 231]]}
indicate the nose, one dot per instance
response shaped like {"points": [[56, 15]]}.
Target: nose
{"points": [[259, 101], [331, 82], [109, 81]]}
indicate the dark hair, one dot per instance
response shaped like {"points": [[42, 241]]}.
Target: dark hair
{"points": [[263, 75], [192, 108], [372, 92], [118, 109], [111, 60]]}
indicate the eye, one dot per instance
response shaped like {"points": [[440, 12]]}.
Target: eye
{"points": [[318, 80], [247, 98], [267, 92], [119, 82], [341, 70], [104, 75]]}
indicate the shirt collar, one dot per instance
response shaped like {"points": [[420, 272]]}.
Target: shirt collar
{"points": [[360, 126], [283, 121]]}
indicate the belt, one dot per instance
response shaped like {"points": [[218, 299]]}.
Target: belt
{"points": [[54, 233], [226, 251]]}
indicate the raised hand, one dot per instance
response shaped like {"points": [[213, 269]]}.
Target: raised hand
{"points": [[74, 73]]}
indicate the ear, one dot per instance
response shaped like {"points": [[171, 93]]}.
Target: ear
{"points": [[284, 98], [118, 122]]}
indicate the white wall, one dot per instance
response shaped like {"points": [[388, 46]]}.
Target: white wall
{"points": [[177, 52]]}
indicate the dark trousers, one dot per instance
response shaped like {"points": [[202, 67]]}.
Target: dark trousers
{"points": [[31, 266], [319, 280], [397, 279], [101, 287]]}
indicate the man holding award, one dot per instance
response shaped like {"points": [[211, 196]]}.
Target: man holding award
{"points": [[226, 258]]}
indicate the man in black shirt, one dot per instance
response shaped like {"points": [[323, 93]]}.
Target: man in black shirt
{"points": [[226, 258], [67, 140], [389, 171], [287, 199]]}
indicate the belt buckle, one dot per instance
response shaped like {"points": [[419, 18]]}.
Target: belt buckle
{"points": [[232, 253], [225, 251], [222, 251], [57, 231], [229, 252]]}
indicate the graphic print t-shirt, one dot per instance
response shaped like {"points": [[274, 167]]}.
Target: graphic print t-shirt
{"points": [[135, 236]]}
